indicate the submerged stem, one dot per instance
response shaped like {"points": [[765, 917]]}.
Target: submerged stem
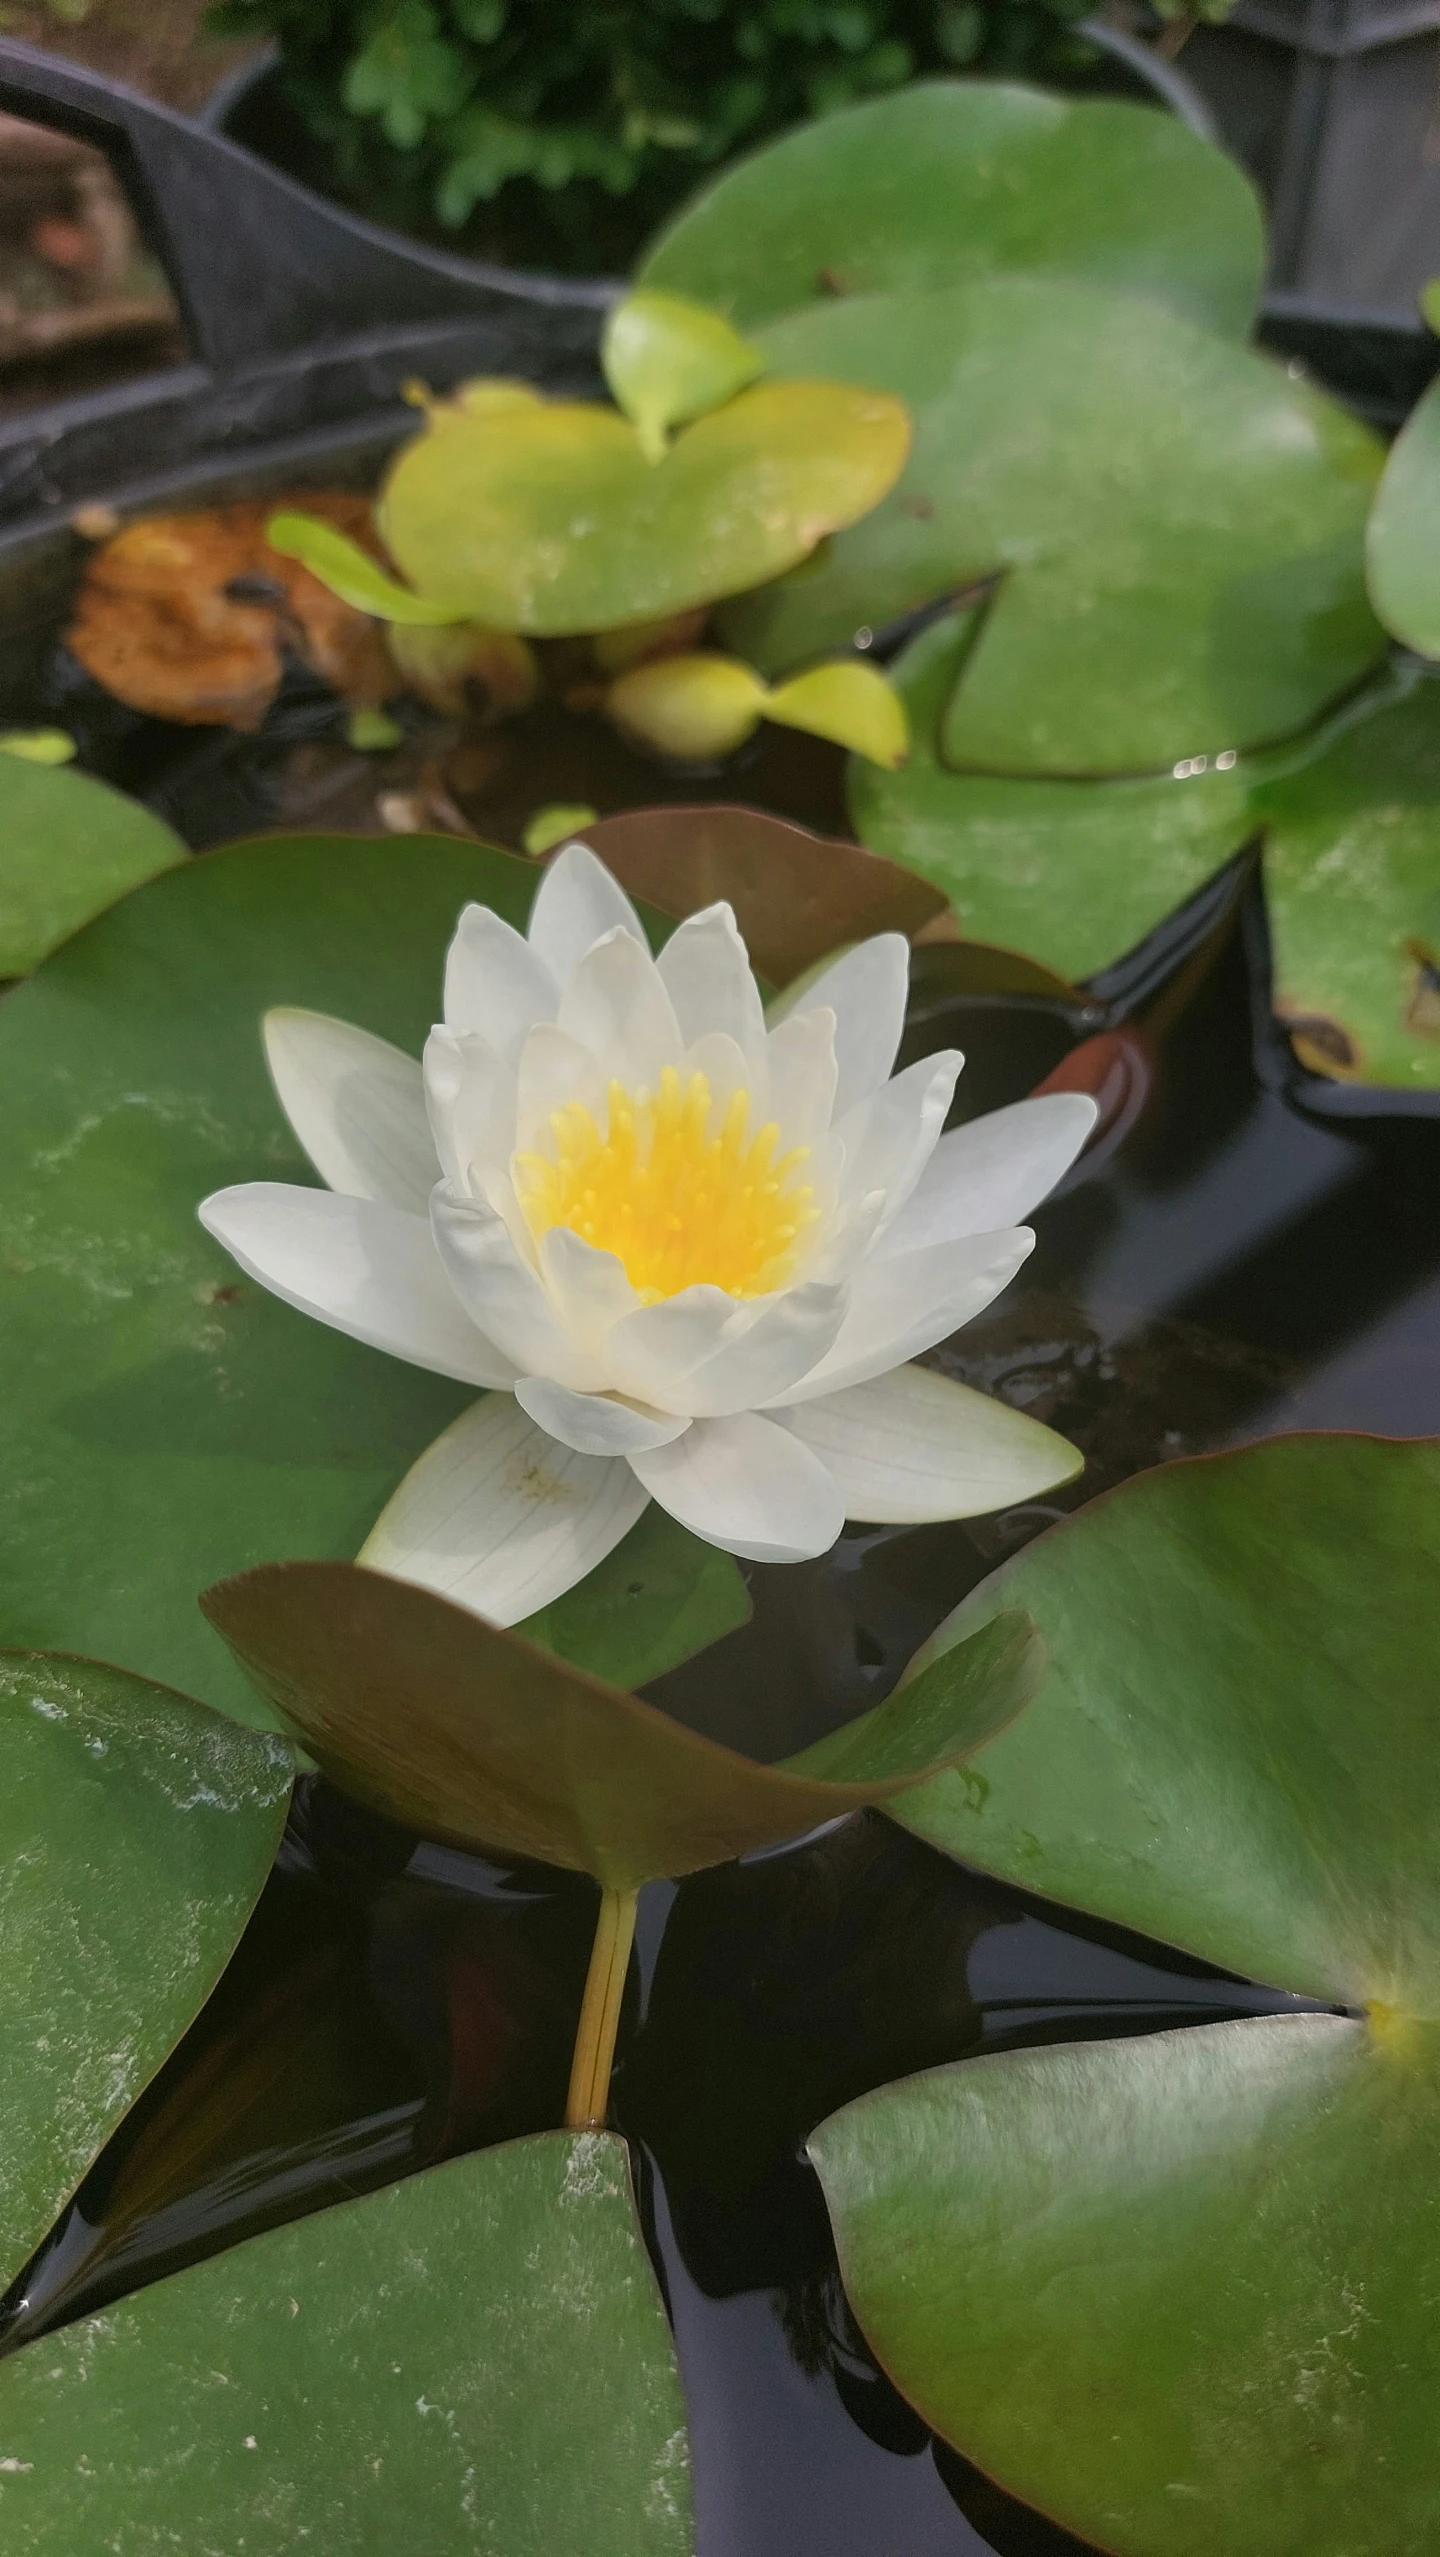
{"points": [[589, 2097]]}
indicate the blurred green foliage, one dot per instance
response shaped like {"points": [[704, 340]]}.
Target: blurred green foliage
{"points": [[564, 132]]}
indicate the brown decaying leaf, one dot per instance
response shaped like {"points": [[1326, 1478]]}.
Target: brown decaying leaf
{"points": [[155, 625], [796, 895], [423, 1711]]}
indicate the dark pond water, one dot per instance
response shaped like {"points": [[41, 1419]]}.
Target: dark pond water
{"points": [[1246, 1250]]}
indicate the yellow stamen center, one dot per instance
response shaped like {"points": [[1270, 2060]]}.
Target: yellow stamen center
{"points": [[677, 1205]]}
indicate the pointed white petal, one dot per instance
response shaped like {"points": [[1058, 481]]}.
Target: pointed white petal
{"points": [[496, 985], [595, 1424], [727, 1070], [356, 1104], [749, 1485], [555, 1071], [890, 1137], [470, 1099], [753, 1354], [617, 1007], [364, 1269], [588, 1288], [577, 904], [899, 1308], [867, 991], [801, 1055], [499, 1517], [706, 972], [994, 1171], [911, 1446], [502, 1294]]}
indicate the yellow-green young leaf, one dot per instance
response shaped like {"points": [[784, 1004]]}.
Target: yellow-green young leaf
{"points": [[445, 666], [548, 519], [667, 360], [1402, 541], [850, 703], [348, 571], [696, 708], [1430, 303], [39, 745], [372, 732], [554, 824]]}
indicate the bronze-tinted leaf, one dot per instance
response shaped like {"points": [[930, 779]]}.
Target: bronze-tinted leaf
{"points": [[796, 895], [422, 1710]]}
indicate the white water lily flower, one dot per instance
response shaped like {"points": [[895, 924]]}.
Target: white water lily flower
{"points": [[694, 1254]]}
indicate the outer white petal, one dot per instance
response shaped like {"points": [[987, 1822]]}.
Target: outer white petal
{"points": [[617, 1007], [749, 1485], [902, 1307], [498, 1516], [867, 991], [889, 1138], [496, 985], [696, 1357], [994, 1171], [588, 1288], [801, 1056], [486, 1271], [706, 972], [356, 1104], [364, 1269], [470, 1098], [577, 904], [595, 1424], [911, 1445]]}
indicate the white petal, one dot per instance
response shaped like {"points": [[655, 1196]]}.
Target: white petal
{"points": [[911, 1446], [902, 1307], [615, 1005], [577, 904], [867, 991], [588, 1288], [706, 972], [747, 1484], [801, 1055], [554, 1071], [470, 1098], [994, 1171], [595, 1424], [356, 1104], [364, 1269], [889, 1138], [499, 1517], [496, 985], [503, 1295], [751, 1357], [727, 1070]]}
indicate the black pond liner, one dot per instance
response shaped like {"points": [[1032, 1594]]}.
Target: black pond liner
{"points": [[1247, 1248]]}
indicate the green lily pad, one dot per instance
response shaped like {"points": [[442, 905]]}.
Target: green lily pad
{"points": [[548, 519], [1180, 2291], [68, 848], [136, 1832], [1074, 872], [425, 1712], [162, 1421], [945, 182], [472, 2361], [1403, 541], [1176, 526]]}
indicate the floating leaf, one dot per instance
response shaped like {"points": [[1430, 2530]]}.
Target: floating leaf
{"points": [[668, 360], [945, 182], [1074, 872], [852, 704], [68, 848], [39, 745], [1402, 544], [136, 1832], [162, 1421], [796, 895], [348, 571], [475, 2359], [1179, 2291], [1176, 526], [552, 825], [696, 708], [549, 519], [659, 1597], [422, 1710], [372, 732]]}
